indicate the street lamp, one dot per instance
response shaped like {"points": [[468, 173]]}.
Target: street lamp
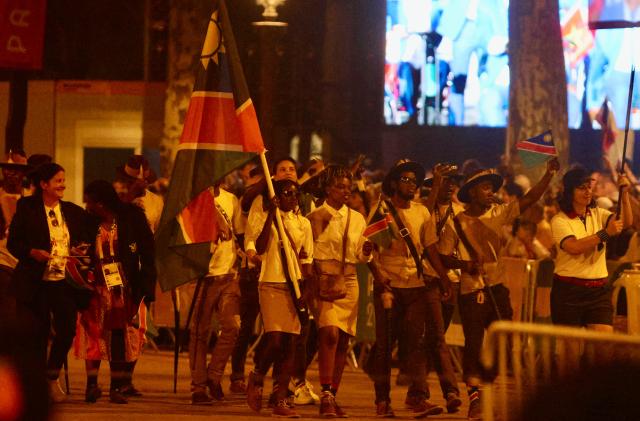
{"points": [[270, 12]]}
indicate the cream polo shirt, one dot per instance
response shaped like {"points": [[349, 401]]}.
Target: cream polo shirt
{"points": [[224, 253], [395, 262], [299, 229], [453, 274], [589, 265], [328, 245], [484, 233]]}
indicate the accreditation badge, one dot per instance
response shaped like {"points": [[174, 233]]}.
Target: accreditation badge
{"points": [[112, 276]]}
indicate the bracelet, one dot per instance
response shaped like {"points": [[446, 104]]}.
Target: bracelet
{"points": [[603, 236]]}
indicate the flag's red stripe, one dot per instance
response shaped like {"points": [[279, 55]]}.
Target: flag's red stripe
{"points": [[198, 220], [215, 120], [251, 136], [532, 147], [376, 227]]}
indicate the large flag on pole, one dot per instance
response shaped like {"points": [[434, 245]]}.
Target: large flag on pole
{"points": [[220, 133]]}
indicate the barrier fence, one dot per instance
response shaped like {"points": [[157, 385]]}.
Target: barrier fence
{"points": [[540, 354]]}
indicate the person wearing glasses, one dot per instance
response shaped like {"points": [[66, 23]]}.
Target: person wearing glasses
{"points": [[580, 295], [415, 285], [44, 232], [281, 323]]}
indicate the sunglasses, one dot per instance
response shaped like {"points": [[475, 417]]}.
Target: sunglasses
{"points": [[408, 180], [289, 193], [54, 219]]}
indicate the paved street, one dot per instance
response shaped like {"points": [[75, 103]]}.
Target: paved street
{"points": [[154, 378]]}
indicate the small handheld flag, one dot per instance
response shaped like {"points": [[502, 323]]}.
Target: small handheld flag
{"points": [[537, 150], [379, 228]]}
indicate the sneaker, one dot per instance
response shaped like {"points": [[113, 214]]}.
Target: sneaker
{"points": [[421, 407], [327, 405], [238, 387], [304, 395], [130, 391], [475, 409], [383, 410], [55, 391], [273, 400], [201, 398], [254, 393], [339, 411], [116, 396], [282, 410], [92, 394], [453, 402], [215, 390]]}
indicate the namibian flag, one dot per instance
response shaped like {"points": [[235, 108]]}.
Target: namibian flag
{"points": [[537, 150], [379, 228], [220, 134]]}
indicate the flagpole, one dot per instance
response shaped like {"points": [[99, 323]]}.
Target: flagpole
{"points": [[628, 120], [626, 136], [279, 224], [176, 350]]}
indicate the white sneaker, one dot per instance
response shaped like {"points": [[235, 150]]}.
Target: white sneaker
{"points": [[304, 395], [55, 392]]}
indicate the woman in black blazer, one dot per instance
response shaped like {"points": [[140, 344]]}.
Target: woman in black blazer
{"points": [[43, 232], [108, 328]]}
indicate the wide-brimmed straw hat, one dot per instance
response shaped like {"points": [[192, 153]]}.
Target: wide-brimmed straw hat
{"points": [[404, 165], [477, 178]]}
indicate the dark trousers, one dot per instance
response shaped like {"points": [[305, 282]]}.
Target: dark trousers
{"points": [[7, 301], [57, 299], [476, 317], [249, 310], [438, 354], [408, 312]]}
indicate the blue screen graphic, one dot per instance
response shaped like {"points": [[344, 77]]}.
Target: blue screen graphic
{"points": [[447, 62]]}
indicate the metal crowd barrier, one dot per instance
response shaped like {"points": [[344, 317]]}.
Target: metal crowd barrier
{"points": [[540, 354]]}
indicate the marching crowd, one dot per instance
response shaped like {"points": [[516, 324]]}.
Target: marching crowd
{"points": [[432, 242]]}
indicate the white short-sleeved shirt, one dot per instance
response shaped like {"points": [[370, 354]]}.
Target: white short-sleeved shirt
{"points": [[454, 274], [589, 265], [224, 253], [396, 262], [328, 245], [299, 229], [486, 235]]}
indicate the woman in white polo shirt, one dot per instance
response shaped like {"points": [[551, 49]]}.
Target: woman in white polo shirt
{"points": [[580, 295]]}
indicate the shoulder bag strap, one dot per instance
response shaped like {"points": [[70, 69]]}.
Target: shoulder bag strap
{"points": [[345, 236], [406, 236], [465, 240]]}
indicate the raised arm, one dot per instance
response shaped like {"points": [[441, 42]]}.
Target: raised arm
{"points": [[538, 190]]}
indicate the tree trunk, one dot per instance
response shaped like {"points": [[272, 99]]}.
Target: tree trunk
{"points": [[538, 91], [188, 20]]}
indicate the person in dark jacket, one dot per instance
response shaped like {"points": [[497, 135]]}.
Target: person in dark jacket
{"points": [[112, 327], [44, 232]]}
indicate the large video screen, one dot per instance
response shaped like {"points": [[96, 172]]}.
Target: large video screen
{"points": [[447, 63], [613, 13]]}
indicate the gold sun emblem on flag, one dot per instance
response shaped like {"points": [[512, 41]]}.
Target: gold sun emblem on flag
{"points": [[213, 43], [547, 138]]}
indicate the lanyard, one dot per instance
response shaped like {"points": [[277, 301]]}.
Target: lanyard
{"points": [[110, 238]]}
